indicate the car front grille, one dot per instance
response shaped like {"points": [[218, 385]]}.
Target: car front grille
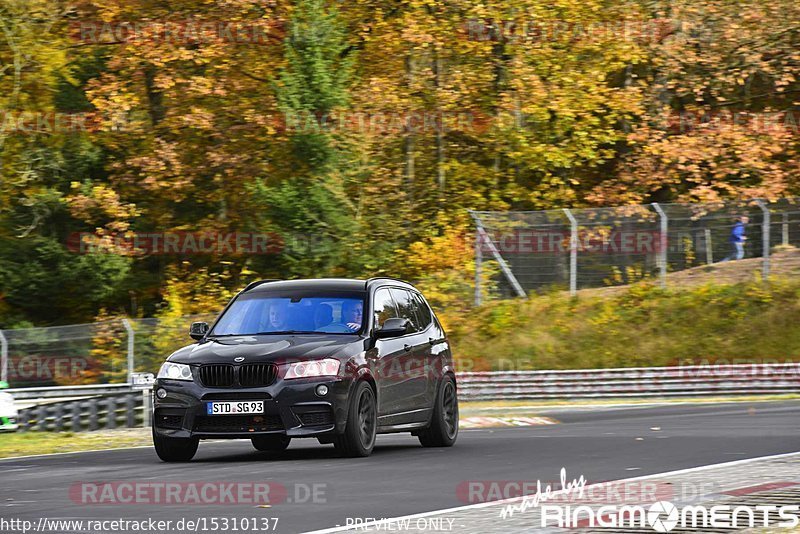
{"points": [[226, 375], [217, 376], [257, 374], [238, 423]]}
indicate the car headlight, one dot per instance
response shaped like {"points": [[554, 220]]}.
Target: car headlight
{"points": [[175, 371], [312, 368]]}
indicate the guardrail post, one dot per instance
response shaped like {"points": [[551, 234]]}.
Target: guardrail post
{"points": [[765, 238], [573, 253], [41, 417], [662, 253], [58, 417], [93, 414], [111, 412], [3, 357], [130, 411], [147, 406], [131, 335], [76, 416]]}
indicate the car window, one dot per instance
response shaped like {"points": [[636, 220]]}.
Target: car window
{"points": [[263, 313], [423, 311], [405, 307], [383, 307]]}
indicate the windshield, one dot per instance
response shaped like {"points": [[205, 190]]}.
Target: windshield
{"points": [[267, 313]]}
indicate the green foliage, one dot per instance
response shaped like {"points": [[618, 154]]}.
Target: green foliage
{"points": [[40, 278], [579, 104], [644, 326]]}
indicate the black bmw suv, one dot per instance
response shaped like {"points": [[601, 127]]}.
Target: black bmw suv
{"points": [[334, 359]]}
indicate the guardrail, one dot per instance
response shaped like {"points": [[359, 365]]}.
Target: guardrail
{"points": [[56, 392], [94, 413], [643, 382], [116, 405]]}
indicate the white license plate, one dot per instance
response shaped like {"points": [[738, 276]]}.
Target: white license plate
{"points": [[231, 408]]}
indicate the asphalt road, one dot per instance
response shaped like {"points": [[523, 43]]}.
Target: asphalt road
{"points": [[403, 478]]}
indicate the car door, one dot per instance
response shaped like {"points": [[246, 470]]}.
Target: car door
{"points": [[413, 386], [433, 364], [386, 358]]}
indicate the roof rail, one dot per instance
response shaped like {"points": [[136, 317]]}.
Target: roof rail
{"points": [[251, 285], [374, 278]]}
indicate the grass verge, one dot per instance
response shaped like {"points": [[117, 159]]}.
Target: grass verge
{"points": [[28, 443]]}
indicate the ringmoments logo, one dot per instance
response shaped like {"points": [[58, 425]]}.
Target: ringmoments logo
{"points": [[664, 516]]}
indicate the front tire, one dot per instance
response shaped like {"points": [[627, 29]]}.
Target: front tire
{"points": [[358, 438], [444, 423], [271, 443], [175, 449]]}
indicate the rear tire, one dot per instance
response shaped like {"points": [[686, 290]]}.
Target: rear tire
{"points": [[271, 443], [175, 449], [358, 438], [444, 423]]}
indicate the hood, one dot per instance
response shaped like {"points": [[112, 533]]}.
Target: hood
{"points": [[257, 349]]}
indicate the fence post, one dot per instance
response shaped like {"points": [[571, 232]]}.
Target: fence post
{"points": [[765, 238], [129, 328], [478, 264], [662, 256], [3, 357], [785, 230], [573, 253], [503, 265]]}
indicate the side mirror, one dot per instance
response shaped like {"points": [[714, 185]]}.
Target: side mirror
{"points": [[393, 327], [198, 330]]}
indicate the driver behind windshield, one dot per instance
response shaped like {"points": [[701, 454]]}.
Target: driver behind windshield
{"points": [[352, 314], [277, 317]]}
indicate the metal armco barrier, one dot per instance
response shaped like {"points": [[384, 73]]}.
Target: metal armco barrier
{"points": [[643, 382], [117, 410], [56, 392]]}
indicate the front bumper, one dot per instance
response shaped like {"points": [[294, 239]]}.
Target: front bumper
{"points": [[291, 407]]}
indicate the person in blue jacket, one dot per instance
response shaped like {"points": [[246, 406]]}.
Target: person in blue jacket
{"points": [[738, 238]]}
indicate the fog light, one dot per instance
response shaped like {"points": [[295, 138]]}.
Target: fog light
{"points": [[322, 390], [161, 393]]}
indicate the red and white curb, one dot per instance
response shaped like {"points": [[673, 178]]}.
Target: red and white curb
{"points": [[492, 422]]}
